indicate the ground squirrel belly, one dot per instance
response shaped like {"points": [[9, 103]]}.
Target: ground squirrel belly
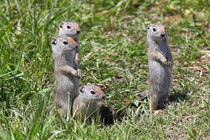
{"points": [[66, 74], [159, 64]]}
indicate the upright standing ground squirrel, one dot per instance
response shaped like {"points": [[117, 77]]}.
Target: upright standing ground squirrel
{"points": [[159, 64], [71, 29], [88, 102], [66, 74]]}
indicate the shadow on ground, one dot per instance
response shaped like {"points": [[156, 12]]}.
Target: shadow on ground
{"points": [[108, 116], [178, 96]]}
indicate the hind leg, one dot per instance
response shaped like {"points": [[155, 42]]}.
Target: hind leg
{"points": [[163, 100], [142, 95], [62, 107], [61, 112], [154, 102], [166, 100], [154, 97]]}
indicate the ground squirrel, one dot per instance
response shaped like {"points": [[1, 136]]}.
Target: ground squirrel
{"points": [[66, 74], [71, 29], [88, 102], [159, 64]]}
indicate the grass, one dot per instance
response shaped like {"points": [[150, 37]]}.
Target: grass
{"points": [[113, 55]]}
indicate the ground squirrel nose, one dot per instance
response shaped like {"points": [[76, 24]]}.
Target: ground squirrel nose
{"points": [[78, 32], [162, 35]]}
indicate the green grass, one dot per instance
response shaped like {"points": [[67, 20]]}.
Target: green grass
{"points": [[113, 55]]}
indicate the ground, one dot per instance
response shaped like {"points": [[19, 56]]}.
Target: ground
{"points": [[113, 56]]}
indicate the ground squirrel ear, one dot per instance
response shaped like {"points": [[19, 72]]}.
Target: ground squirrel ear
{"points": [[148, 27], [81, 89], [89, 84], [53, 41], [61, 25]]}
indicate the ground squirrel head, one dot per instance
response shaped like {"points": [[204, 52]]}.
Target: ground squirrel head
{"points": [[156, 31], [91, 93], [69, 28], [63, 44]]}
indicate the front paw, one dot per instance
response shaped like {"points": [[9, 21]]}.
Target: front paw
{"points": [[79, 73], [166, 62], [169, 62], [74, 73]]}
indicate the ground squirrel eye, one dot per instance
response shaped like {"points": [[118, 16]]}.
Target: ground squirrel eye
{"points": [[65, 42], [92, 92], [68, 27], [154, 29]]}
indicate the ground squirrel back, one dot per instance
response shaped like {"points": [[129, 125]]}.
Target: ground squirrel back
{"points": [[159, 64]]}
